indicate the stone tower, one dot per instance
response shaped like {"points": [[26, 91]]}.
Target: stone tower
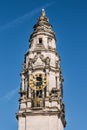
{"points": [[41, 92]]}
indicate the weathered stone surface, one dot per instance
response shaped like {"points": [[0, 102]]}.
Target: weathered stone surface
{"points": [[41, 108]]}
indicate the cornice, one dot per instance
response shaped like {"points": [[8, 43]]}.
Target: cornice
{"points": [[43, 113], [42, 50], [45, 33]]}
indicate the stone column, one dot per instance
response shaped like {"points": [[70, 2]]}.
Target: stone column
{"points": [[47, 74], [22, 78]]}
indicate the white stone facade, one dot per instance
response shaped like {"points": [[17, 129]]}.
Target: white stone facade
{"points": [[40, 122], [42, 108]]}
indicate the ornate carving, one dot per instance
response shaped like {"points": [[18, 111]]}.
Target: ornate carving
{"points": [[53, 94], [47, 60], [32, 61], [38, 60]]}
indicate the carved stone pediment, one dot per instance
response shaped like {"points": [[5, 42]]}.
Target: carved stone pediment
{"points": [[38, 63], [39, 60]]}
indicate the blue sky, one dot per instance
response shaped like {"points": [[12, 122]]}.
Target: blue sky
{"points": [[69, 20]]}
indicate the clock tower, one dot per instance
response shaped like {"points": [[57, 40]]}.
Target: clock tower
{"points": [[41, 92]]}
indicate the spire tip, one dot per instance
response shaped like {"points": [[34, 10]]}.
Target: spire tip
{"points": [[43, 12]]}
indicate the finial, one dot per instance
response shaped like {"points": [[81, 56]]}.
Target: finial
{"points": [[43, 12]]}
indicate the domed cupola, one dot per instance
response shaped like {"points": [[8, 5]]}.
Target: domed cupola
{"points": [[43, 30], [43, 26]]}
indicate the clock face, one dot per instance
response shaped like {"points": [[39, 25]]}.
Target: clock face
{"points": [[37, 81]]}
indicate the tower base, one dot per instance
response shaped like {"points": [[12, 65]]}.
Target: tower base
{"points": [[40, 122]]}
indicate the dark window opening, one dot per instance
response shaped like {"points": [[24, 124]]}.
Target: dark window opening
{"points": [[39, 94], [40, 40]]}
